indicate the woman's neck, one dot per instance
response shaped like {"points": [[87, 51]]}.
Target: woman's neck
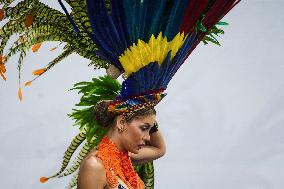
{"points": [[116, 139]]}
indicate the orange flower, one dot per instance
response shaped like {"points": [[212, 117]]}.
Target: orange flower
{"points": [[2, 14], [36, 47], [2, 75], [29, 20], [43, 179], [40, 71], [28, 83], [20, 94]]}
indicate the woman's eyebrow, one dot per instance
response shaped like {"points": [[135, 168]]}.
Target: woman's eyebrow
{"points": [[147, 124]]}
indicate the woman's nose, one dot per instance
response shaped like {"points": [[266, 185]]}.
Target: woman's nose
{"points": [[147, 137]]}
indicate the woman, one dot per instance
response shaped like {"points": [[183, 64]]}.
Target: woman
{"points": [[134, 136]]}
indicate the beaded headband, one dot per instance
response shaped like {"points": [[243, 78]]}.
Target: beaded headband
{"points": [[137, 103]]}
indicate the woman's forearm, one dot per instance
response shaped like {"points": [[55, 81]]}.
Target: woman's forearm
{"points": [[154, 149], [157, 141]]}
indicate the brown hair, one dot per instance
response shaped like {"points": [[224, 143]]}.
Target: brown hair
{"points": [[105, 118]]}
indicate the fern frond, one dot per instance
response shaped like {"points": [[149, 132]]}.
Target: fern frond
{"points": [[214, 32]]}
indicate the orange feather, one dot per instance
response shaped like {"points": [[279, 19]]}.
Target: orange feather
{"points": [[2, 14], [29, 20], [2, 75], [2, 68], [20, 94], [28, 83], [36, 47], [40, 71], [43, 179]]}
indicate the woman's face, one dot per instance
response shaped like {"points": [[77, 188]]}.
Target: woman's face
{"points": [[136, 132]]}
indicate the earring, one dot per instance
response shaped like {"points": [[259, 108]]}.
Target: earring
{"points": [[120, 129]]}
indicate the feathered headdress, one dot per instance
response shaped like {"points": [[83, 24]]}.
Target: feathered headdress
{"points": [[145, 40]]}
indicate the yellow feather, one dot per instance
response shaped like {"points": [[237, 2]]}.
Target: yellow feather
{"points": [[141, 54], [164, 49], [151, 47]]}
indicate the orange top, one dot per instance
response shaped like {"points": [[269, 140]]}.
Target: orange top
{"points": [[117, 164]]}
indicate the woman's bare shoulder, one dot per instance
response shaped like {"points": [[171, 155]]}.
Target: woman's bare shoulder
{"points": [[92, 163], [92, 159], [92, 173]]}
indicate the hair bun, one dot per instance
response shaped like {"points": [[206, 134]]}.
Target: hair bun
{"points": [[103, 117]]}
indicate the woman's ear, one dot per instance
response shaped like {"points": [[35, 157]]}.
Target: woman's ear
{"points": [[120, 120], [120, 123]]}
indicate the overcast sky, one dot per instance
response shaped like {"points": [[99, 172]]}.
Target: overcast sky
{"points": [[223, 117]]}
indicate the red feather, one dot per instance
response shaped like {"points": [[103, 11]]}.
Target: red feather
{"points": [[192, 14]]}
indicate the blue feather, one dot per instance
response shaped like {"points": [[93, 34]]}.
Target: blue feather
{"points": [[106, 35], [98, 37], [76, 29], [175, 18], [141, 79], [163, 72], [101, 21], [120, 22], [147, 74], [154, 18], [143, 18], [130, 14], [117, 42], [154, 74]]}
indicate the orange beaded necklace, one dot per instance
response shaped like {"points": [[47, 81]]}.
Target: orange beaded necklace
{"points": [[117, 164]]}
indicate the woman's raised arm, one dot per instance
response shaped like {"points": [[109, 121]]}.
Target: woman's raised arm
{"points": [[154, 149]]}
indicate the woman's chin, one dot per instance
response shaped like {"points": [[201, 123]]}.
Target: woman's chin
{"points": [[135, 151]]}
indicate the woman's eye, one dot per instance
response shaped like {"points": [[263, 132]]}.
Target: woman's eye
{"points": [[144, 128]]}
